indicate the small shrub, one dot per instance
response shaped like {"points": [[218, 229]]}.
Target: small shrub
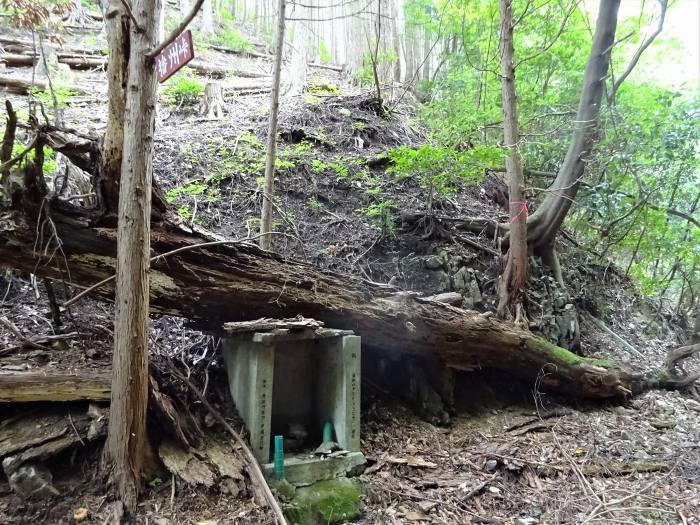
{"points": [[62, 94], [229, 37], [183, 89], [318, 87], [312, 100], [191, 189], [380, 214], [315, 206], [439, 169], [324, 53]]}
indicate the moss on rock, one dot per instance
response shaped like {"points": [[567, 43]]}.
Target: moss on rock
{"points": [[325, 502]]}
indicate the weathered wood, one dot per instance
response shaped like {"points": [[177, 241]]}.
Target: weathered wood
{"points": [[212, 106], [94, 61], [23, 387], [330, 67], [249, 53], [44, 433], [18, 45], [262, 325], [239, 282], [22, 86]]}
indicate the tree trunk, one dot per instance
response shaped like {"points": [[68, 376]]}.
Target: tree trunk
{"points": [[514, 278], [127, 443], [117, 26], [184, 7], [161, 22], [217, 283], [546, 221], [207, 18], [301, 44], [266, 219]]}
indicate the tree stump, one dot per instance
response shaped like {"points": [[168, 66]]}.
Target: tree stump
{"points": [[213, 102]]}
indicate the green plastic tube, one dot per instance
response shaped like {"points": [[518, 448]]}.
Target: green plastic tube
{"points": [[279, 457], [327, 432]]}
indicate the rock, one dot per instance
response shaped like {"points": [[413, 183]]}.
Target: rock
{"points": [[80, 514], [33, 481], [428, 402], [460, 279], [491, 465], [325, 502], [430, 283], [229, 486], [326, 448], [473, 292], [525, 521], [285, 490], [662, 424], [433, 263]]}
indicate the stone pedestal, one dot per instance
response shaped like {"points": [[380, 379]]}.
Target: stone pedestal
{"points": [[288, 378]]}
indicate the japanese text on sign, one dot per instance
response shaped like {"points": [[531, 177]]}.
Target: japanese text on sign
{"points": [[174, 56]]}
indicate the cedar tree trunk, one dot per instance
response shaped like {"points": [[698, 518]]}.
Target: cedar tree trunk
{"points": [[127, 443], [514, 277]]}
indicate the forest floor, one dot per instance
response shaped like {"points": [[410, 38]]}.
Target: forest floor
{"points": [[512, 453]]}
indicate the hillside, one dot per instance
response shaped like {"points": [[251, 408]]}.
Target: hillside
{"points": [[443, 445]]}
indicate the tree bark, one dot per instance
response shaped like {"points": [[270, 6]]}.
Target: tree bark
{"points": [[127, 443], [212, 106], [514, 278], [546, 221], [25, 387], [117, 27], [271, 152], [218, 283]]}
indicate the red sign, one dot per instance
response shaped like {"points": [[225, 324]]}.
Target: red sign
{"points": [[174, 56]]}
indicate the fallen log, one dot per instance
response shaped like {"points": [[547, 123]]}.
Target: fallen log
{"points": [[330, 67], [23, 387], [212, 283], [18, 45], [23, 86], [17, 60], [83, 62], [254, 54]]}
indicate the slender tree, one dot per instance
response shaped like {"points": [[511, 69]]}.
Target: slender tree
{"points": [[514, 277], [544, 224], [127, 443], [266, 219], [207, 17]]}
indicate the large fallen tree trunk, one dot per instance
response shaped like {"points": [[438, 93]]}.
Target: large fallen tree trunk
{"points": [[216, 282], [22, 387]]}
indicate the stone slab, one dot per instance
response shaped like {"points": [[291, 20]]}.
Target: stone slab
{"points": [[301, 471]]}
